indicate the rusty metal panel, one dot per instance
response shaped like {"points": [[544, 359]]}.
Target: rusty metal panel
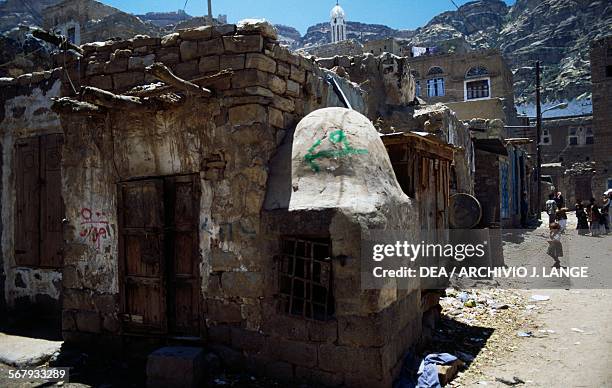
{"points": [[305, 278], [27, 202], [52, 204]]}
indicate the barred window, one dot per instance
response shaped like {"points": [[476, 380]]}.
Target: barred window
{"points": [[305, 278], [477, 89]]}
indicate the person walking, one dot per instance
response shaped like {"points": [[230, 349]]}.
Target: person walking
{"points": [[561, 216], [551, 208], [555, 248], [560, 200], [583, 222], [595, 215], [605, 214]]}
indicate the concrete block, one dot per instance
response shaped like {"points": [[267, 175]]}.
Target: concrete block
{"points": [[176, 366]]}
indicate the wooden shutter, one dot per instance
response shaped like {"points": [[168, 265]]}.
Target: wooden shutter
{"points": [[141, 250], [182, 215], [52, 205], [27, 202]]}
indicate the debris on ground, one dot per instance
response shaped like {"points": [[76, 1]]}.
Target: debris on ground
{"points": [[480, 325], [540, 298]]}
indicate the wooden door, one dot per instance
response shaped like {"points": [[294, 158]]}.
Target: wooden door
{"points": [[181, 232], [582, 189], [159, 253], [141, 236], [27, 202], [52, 204]]}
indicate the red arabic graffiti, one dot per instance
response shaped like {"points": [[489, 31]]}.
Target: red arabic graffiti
{"points": [[94, 226]]}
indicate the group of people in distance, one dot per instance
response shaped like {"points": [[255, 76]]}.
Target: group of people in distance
{"points": [[593, 219]]}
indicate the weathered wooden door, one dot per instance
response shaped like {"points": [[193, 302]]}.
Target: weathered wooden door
{"points": [[141, 215], [582, 186], [181, 233], [158, 223]]}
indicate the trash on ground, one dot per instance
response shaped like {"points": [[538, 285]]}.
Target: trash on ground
{"points": [[540, 298]]}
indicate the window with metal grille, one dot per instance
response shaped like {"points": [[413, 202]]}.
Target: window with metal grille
{"points": [[305, 278], [477, 89]]}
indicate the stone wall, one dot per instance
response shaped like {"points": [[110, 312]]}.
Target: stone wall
{"points": [[24, 113], [392, 106], [601, 77], [344, 47], [229, 140], [559, 148]]}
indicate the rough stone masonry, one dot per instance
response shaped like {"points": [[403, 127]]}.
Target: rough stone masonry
{"points": [[165, 228]]}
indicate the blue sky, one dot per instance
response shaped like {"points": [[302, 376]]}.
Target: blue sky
{"points": [[398, 14]]}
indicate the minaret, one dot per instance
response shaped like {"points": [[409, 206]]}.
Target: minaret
{"points": [[337, 24]]}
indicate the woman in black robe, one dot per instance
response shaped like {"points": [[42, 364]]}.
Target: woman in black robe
{"points": [[583, 223]]}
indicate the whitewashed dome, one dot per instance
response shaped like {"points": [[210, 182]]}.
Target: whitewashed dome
{"points": [[337, 12]]}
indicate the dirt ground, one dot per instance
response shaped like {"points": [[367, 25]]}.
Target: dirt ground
{"points": [[506, 337], [569, 337]]}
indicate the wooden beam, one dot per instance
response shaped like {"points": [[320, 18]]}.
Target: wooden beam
{"points": [[163, 73], [58, 40], [201, 81], [66, 105], [110, 100]]}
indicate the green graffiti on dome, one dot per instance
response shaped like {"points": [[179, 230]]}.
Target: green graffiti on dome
{"points": [[336, 137]]}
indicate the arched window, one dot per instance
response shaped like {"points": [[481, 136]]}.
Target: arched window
{"points": [[476, 72], [477, 83], [435, 70]]}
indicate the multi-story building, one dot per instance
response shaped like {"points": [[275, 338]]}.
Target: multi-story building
{"points": [[480, 78], [601, 79]]}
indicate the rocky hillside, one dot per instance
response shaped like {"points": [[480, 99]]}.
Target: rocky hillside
{"points": [[556, 32]]}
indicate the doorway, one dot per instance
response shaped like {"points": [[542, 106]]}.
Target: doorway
{"points": [[582, 188], [159, 255]]}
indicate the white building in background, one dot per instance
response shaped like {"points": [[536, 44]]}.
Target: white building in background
{"points": [[338, 24]]}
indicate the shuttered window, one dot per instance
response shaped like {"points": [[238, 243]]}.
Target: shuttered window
{"points": [[39, 208]]}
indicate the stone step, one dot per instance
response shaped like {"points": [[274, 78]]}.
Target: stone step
{"points": [[175, 366]]}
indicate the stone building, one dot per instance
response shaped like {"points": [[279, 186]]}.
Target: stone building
{"points": [[601, 80], [328, 50], [475, 77], [190, 211], [567, 147], [337, 24], [83, 21], [388, 45]]}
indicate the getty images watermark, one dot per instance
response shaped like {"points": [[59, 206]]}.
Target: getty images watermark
{"points": [[472, 258]]}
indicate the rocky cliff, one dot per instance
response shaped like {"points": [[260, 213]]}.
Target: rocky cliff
{"points": [[556, 32]]}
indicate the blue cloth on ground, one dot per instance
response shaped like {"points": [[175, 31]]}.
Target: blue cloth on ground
{"points": [[427, 374]]}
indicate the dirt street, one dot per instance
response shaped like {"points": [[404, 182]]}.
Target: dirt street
{"points": [[571, 341]]}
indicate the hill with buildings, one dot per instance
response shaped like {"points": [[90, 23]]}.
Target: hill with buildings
{"points": [[556, 32]]}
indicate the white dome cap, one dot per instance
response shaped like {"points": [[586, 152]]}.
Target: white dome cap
{"points": [[337, 12]]}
